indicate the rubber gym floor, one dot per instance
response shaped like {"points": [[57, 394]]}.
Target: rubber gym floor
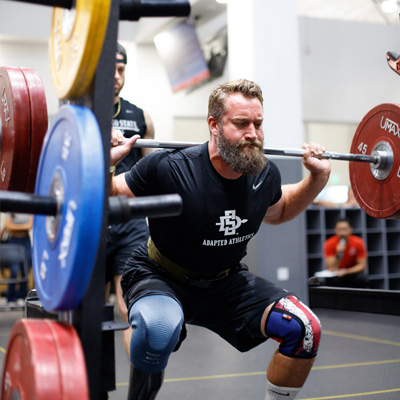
{"points": [[359, 358]]}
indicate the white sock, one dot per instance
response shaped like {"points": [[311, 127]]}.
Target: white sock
{"points": [[280, 393]]}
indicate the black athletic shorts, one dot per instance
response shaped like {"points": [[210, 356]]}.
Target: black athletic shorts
{"points": [[122, 240], [232, 308]]}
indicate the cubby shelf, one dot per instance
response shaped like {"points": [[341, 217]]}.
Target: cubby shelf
{"points": [[382, 238]]}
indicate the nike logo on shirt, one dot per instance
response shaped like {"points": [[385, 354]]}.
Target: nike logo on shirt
{"points": [[255, 187]]}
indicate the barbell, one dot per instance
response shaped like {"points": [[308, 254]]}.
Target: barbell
{"points": [[374, 166], [379, 158]]}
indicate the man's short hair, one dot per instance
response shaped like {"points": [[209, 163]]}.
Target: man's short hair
{"points": [[344, 219], [121, 50], [217, 99]]}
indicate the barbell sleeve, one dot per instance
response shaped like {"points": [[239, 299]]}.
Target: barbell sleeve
{"points": [[155, 144], [133, 10], [121, 208], [25, 203]]}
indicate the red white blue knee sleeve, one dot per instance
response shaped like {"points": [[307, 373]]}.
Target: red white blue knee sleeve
{"points": [[295, 327]]}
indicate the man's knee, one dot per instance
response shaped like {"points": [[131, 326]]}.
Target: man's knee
{"points": [[295, 327], [156, 322]]}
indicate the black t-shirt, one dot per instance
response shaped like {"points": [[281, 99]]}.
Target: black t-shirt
{"points": [[219, 216], [130, 121]]}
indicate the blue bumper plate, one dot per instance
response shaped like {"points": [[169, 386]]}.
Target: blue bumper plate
{"points": [[71, 168]]}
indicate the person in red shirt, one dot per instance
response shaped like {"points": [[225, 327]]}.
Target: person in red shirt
{"points": [[346, 255]]}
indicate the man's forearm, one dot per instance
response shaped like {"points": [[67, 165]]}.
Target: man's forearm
{"points": [[332, 263], [355, 269]]}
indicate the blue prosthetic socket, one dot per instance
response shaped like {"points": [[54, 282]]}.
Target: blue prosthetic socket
{"points": [[156, 321], [295, 327]]}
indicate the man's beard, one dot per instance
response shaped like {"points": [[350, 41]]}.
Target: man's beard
{"points": [[243, 157], [118, 90]]}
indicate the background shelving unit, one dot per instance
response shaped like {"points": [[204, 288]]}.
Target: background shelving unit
{"points": [[382, 238]]}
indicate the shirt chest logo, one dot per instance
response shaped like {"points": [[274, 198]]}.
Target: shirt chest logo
{"points": [[126, 125], [352, 251], [230, 222]]}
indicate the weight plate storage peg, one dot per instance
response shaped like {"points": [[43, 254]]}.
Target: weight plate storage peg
{"points": [[71, 169], [15, 125], [76, 42], [376, 186], [44, 360]]}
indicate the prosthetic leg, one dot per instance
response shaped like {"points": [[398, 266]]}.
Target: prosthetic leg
{"points": [[144, 386], [156, 322]]}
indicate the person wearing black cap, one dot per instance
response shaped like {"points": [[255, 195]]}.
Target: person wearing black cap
{"points": [[122, 239]]}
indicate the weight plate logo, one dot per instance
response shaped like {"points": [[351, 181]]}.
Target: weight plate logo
{"points": [[390, 126], [6, 108]]}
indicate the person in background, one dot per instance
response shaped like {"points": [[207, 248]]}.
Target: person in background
{"points": [[18, 227], [191, 269], [346, 255], [122, 239]]}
